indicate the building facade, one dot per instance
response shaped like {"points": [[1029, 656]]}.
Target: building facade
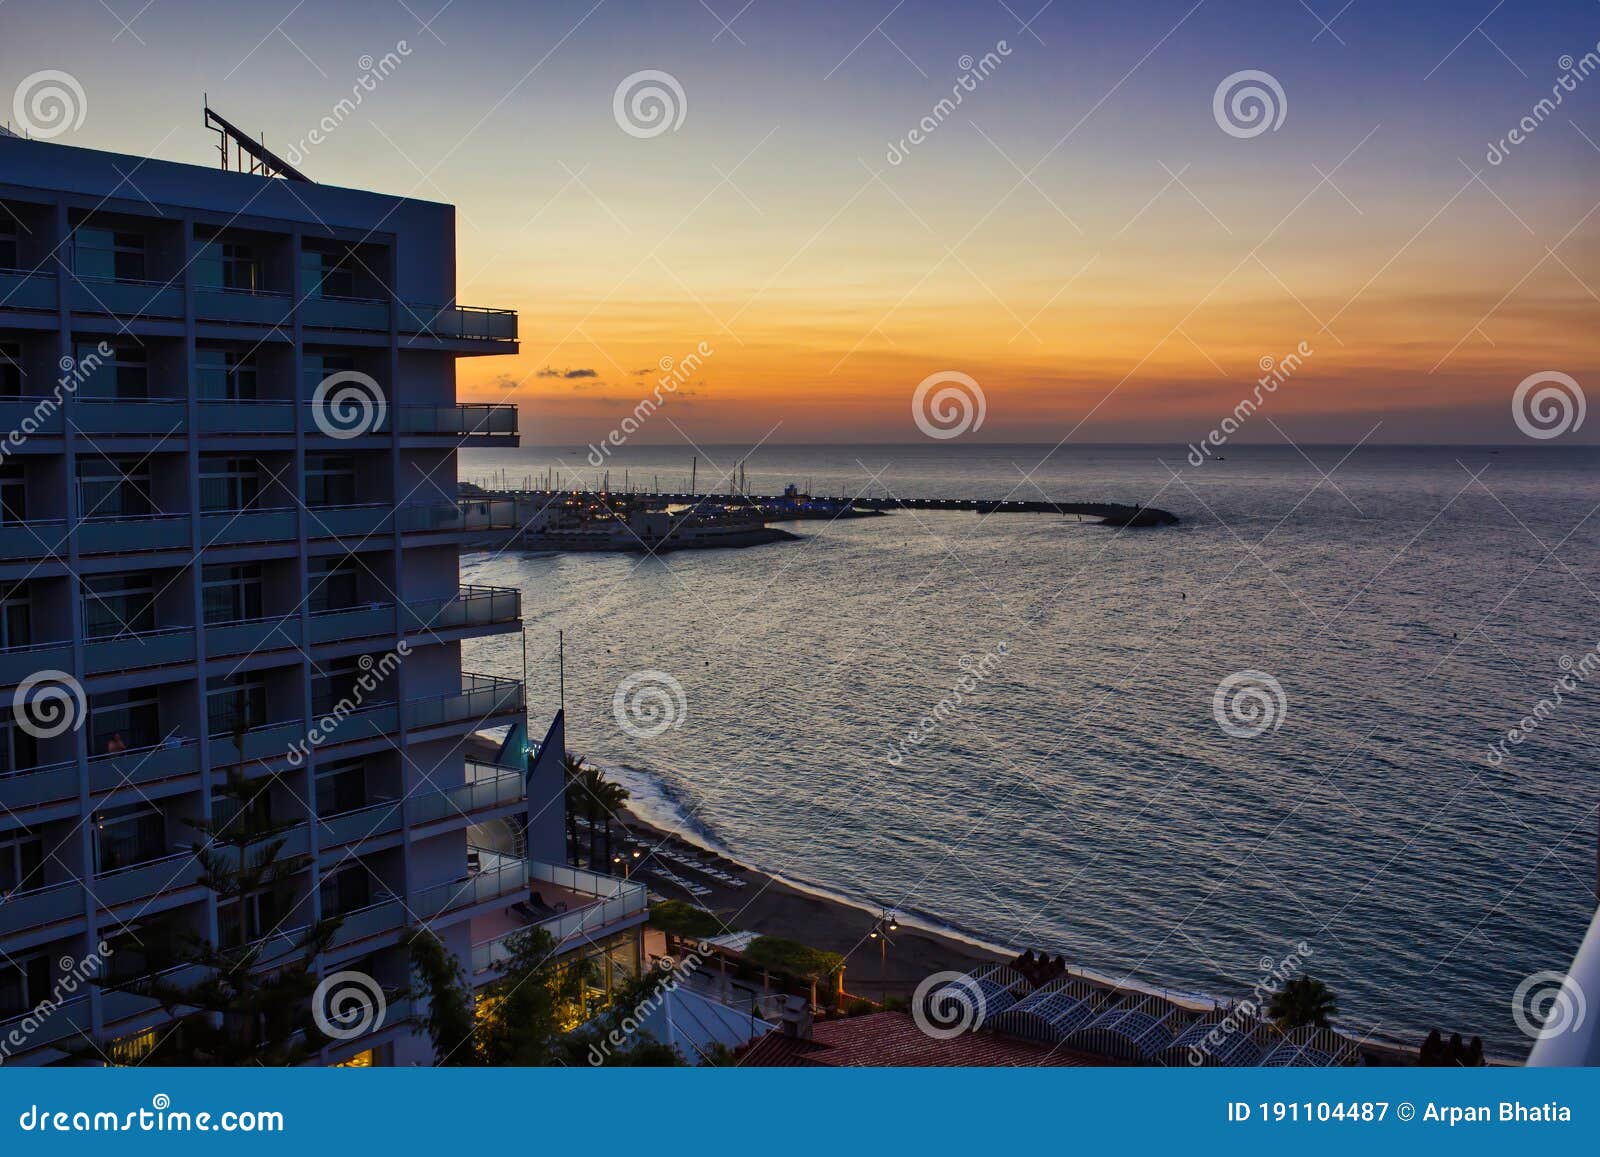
{"points": [[229, 540]]}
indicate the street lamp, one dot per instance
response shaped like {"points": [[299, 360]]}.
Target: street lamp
{"points": [[627, 863], [886, 923]]}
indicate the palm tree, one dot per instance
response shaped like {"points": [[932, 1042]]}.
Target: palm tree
{"points": [[1303, 1000], [573, 765], [598, 799]]}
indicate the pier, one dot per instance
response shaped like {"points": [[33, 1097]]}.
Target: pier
{"points": [[822, 506]]}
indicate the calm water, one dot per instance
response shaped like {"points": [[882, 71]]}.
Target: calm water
{"points": [[1083, 798]]}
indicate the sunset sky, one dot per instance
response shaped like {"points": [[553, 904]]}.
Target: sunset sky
{"points": [[1080, 236]]}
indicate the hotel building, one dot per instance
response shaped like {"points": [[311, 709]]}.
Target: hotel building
{"points": [[210, 563]]}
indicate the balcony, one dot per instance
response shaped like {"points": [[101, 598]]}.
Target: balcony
{"points": [[271, 741], [252, 636], [459, 322], [359, 521], [246, 418], [125, 298], [148, 880], [123, 535], [498, 876], [363, 622], [238, 527], [17, 663], [366, 314], [42, 415], [34, 538], [494, 421], [466, 515], [242, 306], [481, 698], [140, 767], [27, 289], [69, 1020], [384, 916], [495, 788], [379, 819], [596, 906], [132, 651], [30, 911], [132, 417], [39, 787], [473, 606]]}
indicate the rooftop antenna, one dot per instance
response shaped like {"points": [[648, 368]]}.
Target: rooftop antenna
{"points": [[248, 156]]}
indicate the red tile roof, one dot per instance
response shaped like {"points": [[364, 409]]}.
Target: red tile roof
{"points": [[892, 1039]]}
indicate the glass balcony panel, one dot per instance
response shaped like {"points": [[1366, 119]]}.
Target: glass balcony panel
{"points": [[142, 881], [24, 289], [374, 920], [126, 535], [348, 521], [55, 904], [247, 418], [36, 538], [481, 697], [258, 307], [508, 876], [252, 636], [473, 606], [470, 322], [353, 623], [463, 800], [345, 313], [379, 819], [134, 651], [17, 663], [38, 786], [271, 741], [175, 757], [125, 298], [126, 417], [42, 416], [230, 527], [463, 419], [70, 1019]]}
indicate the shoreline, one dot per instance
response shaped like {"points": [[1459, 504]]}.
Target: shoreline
{"points": [[773, 905]]}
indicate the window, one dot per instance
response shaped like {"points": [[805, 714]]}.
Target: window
{"points": [[228, 265], [21, 862], [225, 375], [120, 720], [330, 480], [10, 245], [16, 615], [125, 374], [112, 254], [347, 890], [337, 682], [230, 483], [13, 494], [328, 273], [250, 918], [341, 787], [130, 835], [115, 488], [11, 374], [333, 584], [19, 750], [119, 604], [24, 983], [234, 700], [231, 594]]}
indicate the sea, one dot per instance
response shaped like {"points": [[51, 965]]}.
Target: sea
{"points": [[1279, 731]]}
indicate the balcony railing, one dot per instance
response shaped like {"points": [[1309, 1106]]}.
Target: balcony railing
{"points": [[167, 760], [246, 417], [379, 819], [469, 322], [71, 1019], [132, 417], [472, 606], [39, 786], [27, 289], [41, 907], [120, 534], [125, 297], [506, 876], [152, 878], [249, 306], [482, 697], [459, 420], [616, 902], [134, 650], [42, 416], [17, 663], [385, 915], [464, 800]]}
